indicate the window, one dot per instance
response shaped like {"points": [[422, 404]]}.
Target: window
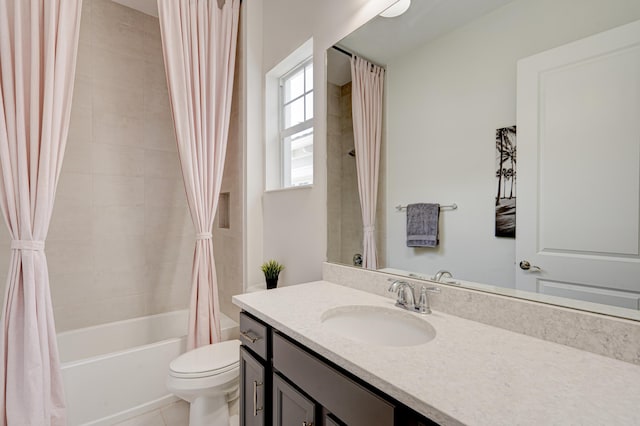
{"points": [[296, 125], [288, 121]]}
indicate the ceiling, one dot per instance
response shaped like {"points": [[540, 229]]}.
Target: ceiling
{"points": [[382, 39], [150, 7]]}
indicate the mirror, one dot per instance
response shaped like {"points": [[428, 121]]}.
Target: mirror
{"points": [[451, 82]]}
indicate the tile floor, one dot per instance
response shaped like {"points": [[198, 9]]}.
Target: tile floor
{"points": [[175, 414]]}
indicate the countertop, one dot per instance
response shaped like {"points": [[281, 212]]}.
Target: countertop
{"points": [[471, 373]]}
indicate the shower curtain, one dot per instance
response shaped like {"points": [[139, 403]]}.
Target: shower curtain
{"points": [[199, 45], [366, 92], [38, 45]]}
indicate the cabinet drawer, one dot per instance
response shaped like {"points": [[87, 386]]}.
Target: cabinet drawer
{"points": [[349, 401], [253, 334]]}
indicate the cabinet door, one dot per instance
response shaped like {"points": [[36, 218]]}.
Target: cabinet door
{"points": [[290, 407], [252, 375]]}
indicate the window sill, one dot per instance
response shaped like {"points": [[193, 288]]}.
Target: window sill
{"points": [[290, 188]]}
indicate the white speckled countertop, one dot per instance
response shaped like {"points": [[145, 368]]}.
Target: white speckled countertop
{"points": [[470, 374]]}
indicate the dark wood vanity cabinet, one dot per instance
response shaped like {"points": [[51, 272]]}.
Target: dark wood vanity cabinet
{"points": [[252, 388], [290, 406], [283, 383], [255, 372]]}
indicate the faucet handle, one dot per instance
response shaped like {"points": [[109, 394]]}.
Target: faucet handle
{"points": [[423, 302]]}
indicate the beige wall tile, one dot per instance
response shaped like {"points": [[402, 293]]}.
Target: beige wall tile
{"points": [[71, 289], [74, 189], [117, 160], [85, 22], [161, 164], [118, 254], [64, 257], [114, 128], [162, 276], [158, 131], [121, 242], [82, 94], [70, 222], [116, 27], [110, 282], [115, 68], [117, 221], [117, 101], [173, 250], [168, 221], [154, 72], [118, 191], [84, 58], [164, 192]]}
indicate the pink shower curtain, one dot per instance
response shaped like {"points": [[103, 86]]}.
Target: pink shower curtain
{"points": [[366, 92], [199, 44], [38, 45]]}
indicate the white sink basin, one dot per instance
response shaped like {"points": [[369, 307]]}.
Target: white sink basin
{"points": [[378, 326]]}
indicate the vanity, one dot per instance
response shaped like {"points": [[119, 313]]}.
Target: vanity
{"points": [[286, 383], [296, 368]]}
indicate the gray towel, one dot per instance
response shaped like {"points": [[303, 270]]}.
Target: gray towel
{"points": [[422, 225]]}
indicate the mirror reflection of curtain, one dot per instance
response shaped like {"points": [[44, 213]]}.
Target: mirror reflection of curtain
{"points": [[367, 87], [38, 46], [199, 44]]}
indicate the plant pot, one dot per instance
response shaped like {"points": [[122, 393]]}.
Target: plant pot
{"points": [[272, 283]]}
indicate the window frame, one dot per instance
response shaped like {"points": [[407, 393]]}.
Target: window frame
{"points": [[285, 134]]}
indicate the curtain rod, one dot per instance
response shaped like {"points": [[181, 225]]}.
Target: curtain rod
{"points": [[351, 55]]}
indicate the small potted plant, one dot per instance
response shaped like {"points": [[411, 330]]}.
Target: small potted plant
{"points": [[271, 270]]}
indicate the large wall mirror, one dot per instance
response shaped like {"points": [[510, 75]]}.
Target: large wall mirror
{"points": [[458, 71]]}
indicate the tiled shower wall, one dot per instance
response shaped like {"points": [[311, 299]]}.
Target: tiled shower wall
{"points": [[343, 201], [121, 242]]}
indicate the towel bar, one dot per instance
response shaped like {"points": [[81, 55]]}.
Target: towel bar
{"points": [[453, 206]]}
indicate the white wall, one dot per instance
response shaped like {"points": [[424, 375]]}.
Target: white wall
{"points": [[445, 103], [291, 225]]}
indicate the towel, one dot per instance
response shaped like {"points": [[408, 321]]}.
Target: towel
{"points": [[422, 224]]}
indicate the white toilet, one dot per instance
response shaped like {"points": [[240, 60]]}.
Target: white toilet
{"points": [[207, 378]]}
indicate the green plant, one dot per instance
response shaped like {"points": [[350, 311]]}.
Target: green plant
{"points": [[271, 269]]}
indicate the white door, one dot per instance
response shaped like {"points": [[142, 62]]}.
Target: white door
{"points": [[578, 170]]}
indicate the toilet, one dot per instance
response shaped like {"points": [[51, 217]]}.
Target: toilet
{"points": [[207, 378]]}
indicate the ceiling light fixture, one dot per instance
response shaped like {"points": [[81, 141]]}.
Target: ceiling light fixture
{"points": [[396, 9]]}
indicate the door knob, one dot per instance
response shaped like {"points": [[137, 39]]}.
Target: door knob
{"points": [[526, 266]]}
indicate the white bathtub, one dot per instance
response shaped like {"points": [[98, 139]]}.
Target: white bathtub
{"points": [[115, 371]]}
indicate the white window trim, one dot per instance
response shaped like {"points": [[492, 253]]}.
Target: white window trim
{"points": [[273, 154], [285, 173]]}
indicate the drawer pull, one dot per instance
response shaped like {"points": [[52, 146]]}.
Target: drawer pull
{"points": [[249, 336], [255, 398]]}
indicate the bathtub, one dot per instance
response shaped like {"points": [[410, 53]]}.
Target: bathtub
{"points": [[115, 371]]}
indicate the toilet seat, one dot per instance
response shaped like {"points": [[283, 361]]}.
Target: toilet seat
{"points": [[207, 361]]}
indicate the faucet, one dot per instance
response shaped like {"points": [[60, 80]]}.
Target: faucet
{"points": [[406, 297], [442, 274]]}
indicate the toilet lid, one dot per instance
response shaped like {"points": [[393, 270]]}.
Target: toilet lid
{"points": [[207, 360]]}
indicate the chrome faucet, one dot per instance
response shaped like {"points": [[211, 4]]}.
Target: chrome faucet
{"points": [[406, 298], [442, 274]]}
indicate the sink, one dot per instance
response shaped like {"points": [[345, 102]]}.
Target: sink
{"points": [[378, 326]]}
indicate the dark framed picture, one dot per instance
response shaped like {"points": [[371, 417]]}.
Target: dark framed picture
{"points": [[506, 182]]}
